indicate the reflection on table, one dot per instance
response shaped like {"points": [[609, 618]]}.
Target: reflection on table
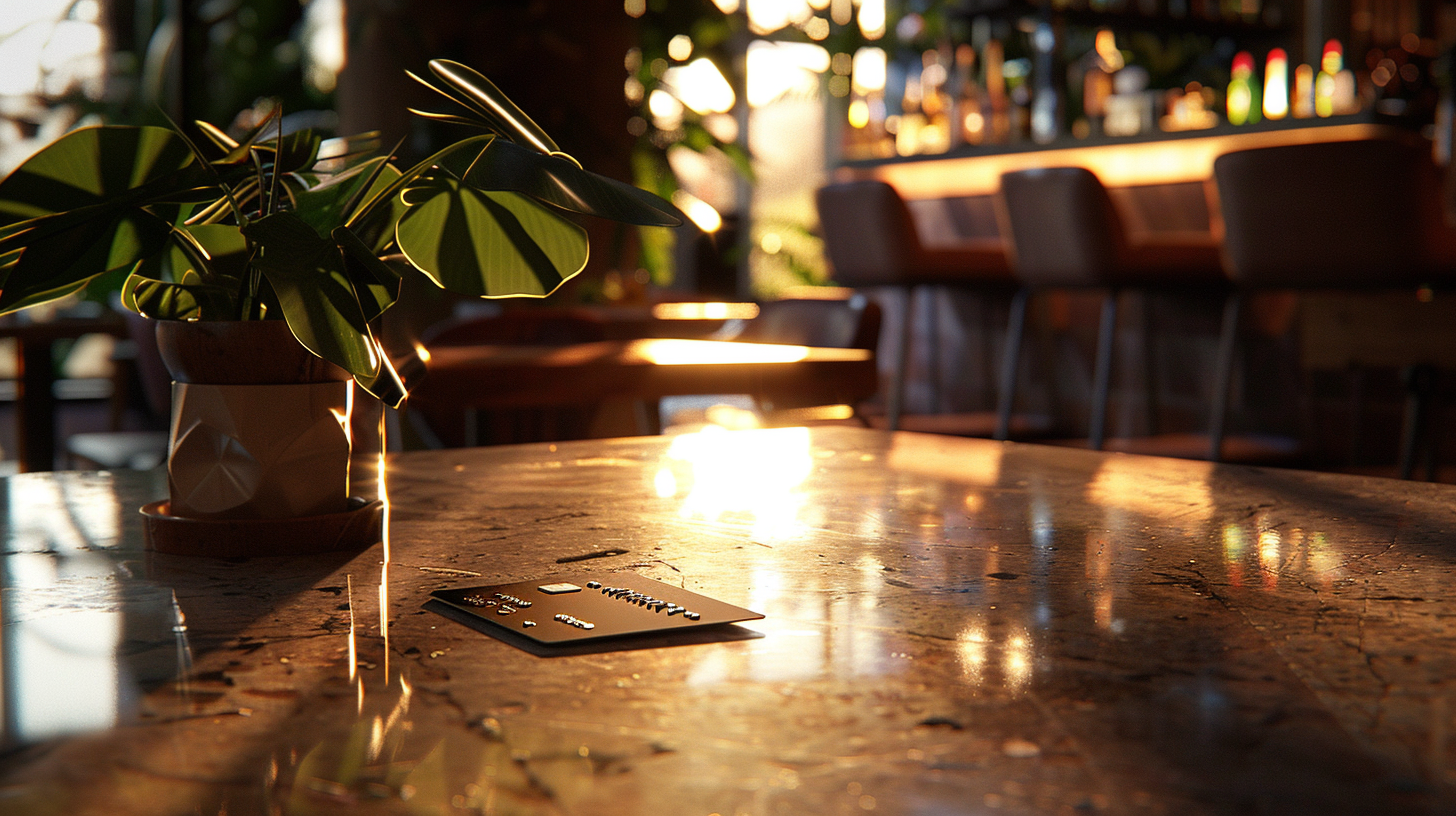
{"points": [[952, 626]]}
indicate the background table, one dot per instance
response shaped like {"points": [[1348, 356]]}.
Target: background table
{"points": [[953, 626], [35, 417]]}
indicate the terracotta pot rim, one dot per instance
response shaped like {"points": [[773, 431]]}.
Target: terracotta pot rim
{"points": [[240, 352]]}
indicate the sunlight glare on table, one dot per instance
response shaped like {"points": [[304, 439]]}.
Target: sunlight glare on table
{"points": [[708, 352]]}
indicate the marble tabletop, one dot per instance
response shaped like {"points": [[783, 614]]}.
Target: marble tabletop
{"points": [[952, 626]]}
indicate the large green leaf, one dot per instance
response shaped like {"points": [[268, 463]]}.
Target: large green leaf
{"points": [[227, 254], [502, 165], [375, 282], [165, 300], [95, 166], [327, 202], [477, 94], [64, 262], [387, 386], [308, 275], [490, 244]]}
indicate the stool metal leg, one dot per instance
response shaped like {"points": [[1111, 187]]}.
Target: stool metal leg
{"points": [[932, 333], [1102, 376], [902, 360], [1010, 363], [1223, 376], [1420, 383]]}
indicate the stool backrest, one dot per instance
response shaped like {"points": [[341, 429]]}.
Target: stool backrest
{"points": [[1359, 214], [1064, 228], [869, 235]]}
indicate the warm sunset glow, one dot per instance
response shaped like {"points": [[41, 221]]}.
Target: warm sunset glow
{"points": [[973, 463], [700, 212], [1160, 488], [869, 70], [754, 472], [971, 649], [680, 47], [353, 644], [1017, 662], [666, 109], [708, 352], [872, 19], [700, 86], [1124, 165], [705, 311], [384, 539], [778, 68], [817, 413], [768, 16], [664, 484]]}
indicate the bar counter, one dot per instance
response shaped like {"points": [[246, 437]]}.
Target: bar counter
{"points": [[951, 626], [1160, 181]]}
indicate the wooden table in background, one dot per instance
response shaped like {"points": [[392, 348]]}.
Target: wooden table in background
{"points": [[35, 415], [465, 378]]}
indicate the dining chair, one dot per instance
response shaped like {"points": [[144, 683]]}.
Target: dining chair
{"points": [[1356, 217], [1066, 232], [871, 240]]}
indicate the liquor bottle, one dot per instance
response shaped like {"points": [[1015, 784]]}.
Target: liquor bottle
{"points": [[996, 93], [1334, 87], [1276, 85], [1244, 105], [1301, 104]]}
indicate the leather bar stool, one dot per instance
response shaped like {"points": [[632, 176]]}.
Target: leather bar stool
{"points": [[1066, 233], [871, 240], [1357, 216]]}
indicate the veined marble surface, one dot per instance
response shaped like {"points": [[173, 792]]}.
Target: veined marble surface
{"points": [[953, 626]]}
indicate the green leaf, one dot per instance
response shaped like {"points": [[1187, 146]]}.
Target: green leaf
{"points": [[94, 166], [295, 151], [313, 288], [164, 300], [489, 244], [387, 386], [326, 204], [227, 250], [388, 196], [375, 282], [559, 182], [481, 93], [64, 262]]}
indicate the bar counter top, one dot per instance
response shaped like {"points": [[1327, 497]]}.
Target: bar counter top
{"points": [[951, 626]]}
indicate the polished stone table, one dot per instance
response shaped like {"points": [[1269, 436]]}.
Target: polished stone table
{"points": [[953, 626]]}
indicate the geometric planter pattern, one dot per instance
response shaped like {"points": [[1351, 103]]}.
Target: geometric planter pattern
{"points": [[259, 451]]}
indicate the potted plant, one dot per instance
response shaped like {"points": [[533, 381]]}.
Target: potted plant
{"points": [[265, 259]]}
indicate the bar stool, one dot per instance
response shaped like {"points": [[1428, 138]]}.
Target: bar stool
{"points": [[871, 240], [1357, 216], [1066, 233]]}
